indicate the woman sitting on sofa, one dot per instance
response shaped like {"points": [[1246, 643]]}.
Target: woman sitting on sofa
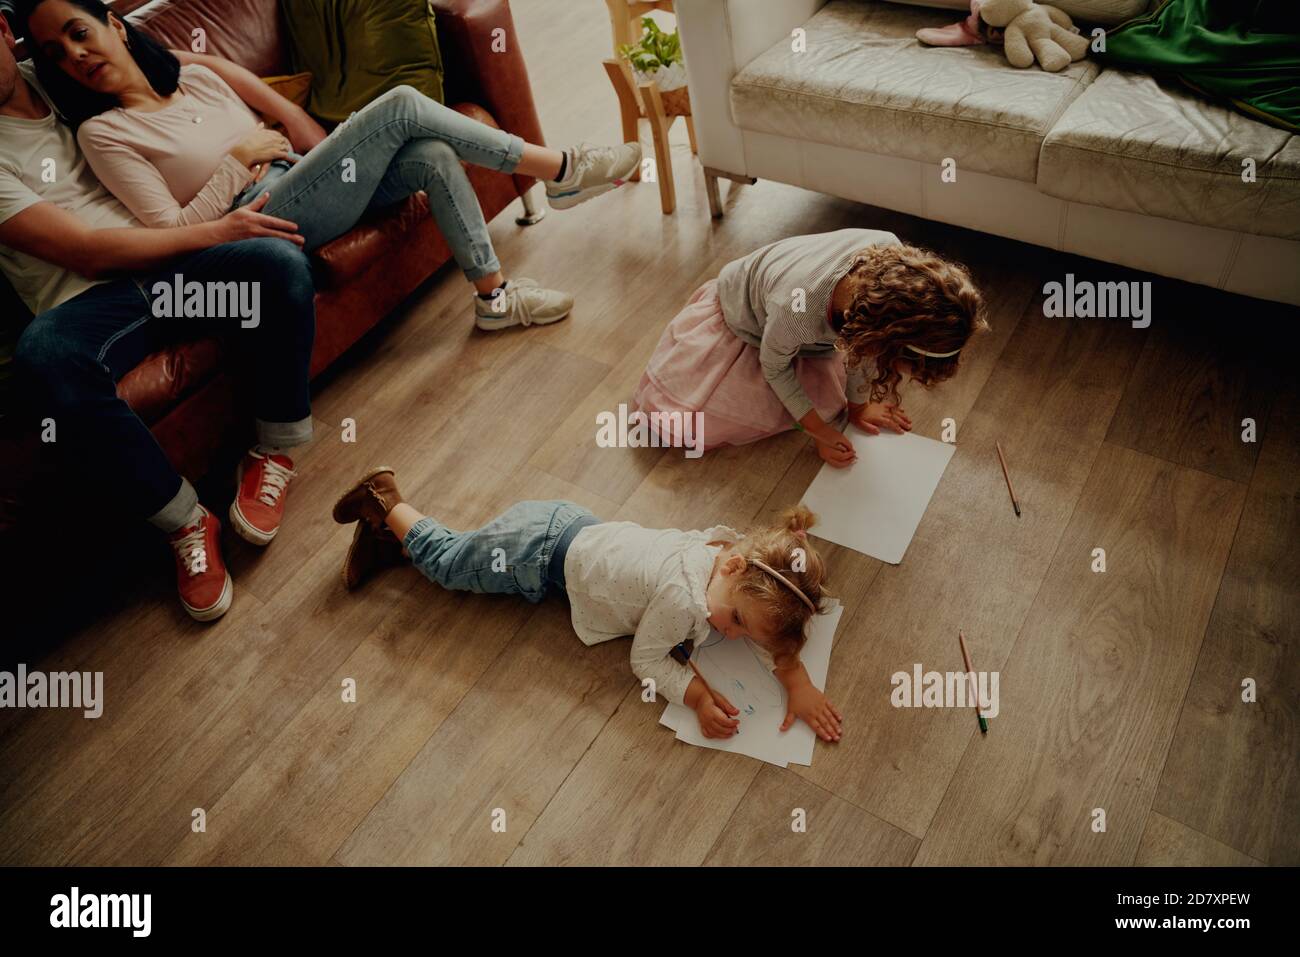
{"points": [[177, 146]]}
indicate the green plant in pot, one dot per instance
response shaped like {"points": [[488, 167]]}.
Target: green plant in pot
{"points": [[657, 58]]}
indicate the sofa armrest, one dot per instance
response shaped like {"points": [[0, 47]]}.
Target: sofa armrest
{"points": [[719, 38], [474, 71]]}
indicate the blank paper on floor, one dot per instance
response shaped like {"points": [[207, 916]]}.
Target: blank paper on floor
{"points": [[875, 504], [735, 671]]}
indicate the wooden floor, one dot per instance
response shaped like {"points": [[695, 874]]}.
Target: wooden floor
{"points": [[1120, 691]]}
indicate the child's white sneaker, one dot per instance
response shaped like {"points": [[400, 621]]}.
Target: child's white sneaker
{"points": [[521, 302], [592, 170]]}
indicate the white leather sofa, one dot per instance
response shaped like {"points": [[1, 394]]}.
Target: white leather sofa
{"points": [[1105, 163]]}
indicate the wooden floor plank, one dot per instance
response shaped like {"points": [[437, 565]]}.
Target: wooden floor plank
{"points": [[785, 821], [508, 745], [1090, 693], [1194, 384], [571, 452], [192, 725], [1168, 843], [311, 785], [1233, 771], [638, 796]]}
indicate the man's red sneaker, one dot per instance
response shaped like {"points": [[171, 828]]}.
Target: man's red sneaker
{"points": [[201, 577], [259, 501]]}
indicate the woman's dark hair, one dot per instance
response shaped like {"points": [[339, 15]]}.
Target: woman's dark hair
{"points": [[78, 103]]}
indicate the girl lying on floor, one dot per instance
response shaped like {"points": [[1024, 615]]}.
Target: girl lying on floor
{"points": [[662, 587], [791, 334]]}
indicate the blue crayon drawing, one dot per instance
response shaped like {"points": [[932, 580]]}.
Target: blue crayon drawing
{"points": [[758, 692]]}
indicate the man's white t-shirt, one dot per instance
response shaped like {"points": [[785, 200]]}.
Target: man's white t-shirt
{"points": [[41, 162]]}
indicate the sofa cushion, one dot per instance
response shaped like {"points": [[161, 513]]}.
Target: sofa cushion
{"points": [[294, 87], [1088, 11], [865, 83], [1108, 12], [962, 5], [1133, 143], [245, 31], [164, 379], [378, 234], [359, 49]]}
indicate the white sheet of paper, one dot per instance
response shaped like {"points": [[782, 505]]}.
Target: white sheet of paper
{"points": [[732, 669], [875, 504]]}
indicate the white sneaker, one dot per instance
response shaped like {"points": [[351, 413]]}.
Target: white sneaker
{"points": [[521, 302], [593, 170]]}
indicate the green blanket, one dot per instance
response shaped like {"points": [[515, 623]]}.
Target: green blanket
{"points": [[1243, 51]]}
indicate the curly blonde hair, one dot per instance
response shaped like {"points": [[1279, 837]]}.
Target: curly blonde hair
{"points": [[782, 609], [904, 296]]}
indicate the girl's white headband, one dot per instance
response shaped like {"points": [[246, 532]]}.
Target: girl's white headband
{"points": [[933, 355]]}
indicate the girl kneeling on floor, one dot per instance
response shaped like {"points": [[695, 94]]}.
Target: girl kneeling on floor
{"points": [[795, 332], [662, 587]]}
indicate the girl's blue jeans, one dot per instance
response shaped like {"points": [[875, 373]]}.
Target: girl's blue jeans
{"points": [[520, 552], [400, 143]]}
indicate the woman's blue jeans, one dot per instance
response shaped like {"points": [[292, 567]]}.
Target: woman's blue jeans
{"points": [[399, 144]]}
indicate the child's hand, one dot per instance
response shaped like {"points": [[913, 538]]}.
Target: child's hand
{"points": [[874, 416], [837, 453], [808, 703], [715, 716]]}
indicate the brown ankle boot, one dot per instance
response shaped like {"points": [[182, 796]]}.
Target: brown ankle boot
{"points": [[371, 550], [370, 500]]}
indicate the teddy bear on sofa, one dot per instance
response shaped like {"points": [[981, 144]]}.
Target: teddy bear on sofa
{"points": [[1035, 30], [1025, 28]]}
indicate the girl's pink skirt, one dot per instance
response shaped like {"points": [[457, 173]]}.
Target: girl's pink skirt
{"points": [[700, 365]]}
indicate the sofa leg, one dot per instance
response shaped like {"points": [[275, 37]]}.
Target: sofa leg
{"points": [[715, 199], [533, 213], [711, 177]]}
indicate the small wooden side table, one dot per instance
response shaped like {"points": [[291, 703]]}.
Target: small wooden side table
{"points": [[646, 100]]}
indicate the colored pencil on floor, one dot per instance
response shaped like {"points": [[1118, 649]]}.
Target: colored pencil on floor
{"points": [[1015, 502], [974, 688]]}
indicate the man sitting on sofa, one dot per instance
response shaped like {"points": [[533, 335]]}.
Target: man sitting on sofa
{"points": [[62, 238]]}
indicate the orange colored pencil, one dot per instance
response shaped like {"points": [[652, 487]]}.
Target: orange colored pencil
{"points": [[699, 675]]}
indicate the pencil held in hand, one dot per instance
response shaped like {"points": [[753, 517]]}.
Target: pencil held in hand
{"points": [[1015, 502]]}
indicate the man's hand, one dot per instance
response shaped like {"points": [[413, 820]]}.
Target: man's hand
{"points": [[808, 703], [248, 222], [47, 232], [874, 416]]}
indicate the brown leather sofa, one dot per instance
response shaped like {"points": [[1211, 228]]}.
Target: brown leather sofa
{"points": [[185, 392]]}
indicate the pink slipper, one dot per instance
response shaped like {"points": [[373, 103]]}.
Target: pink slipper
{"points": [[964, 34]]}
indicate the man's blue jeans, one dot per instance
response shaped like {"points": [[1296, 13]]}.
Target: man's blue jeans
{"points": [[520, 552], [77, 352], [399, 144]]}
